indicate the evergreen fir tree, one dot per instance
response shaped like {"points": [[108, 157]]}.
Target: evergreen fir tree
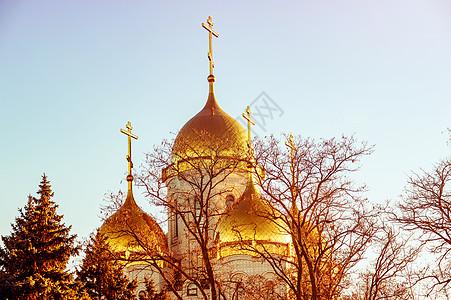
{"points": [[151, 292], [34, 257], [101, 275]]}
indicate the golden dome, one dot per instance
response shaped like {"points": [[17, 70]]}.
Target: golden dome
{"points": [[212, 132], [251, 220], [131, 224]]}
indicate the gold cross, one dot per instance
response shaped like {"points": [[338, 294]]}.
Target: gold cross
{"points": [[129, 133], [291, 145], [293, 177], [247, 116], [211, 32]]}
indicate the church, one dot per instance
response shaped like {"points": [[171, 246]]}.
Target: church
{"points": [[219, 226]]}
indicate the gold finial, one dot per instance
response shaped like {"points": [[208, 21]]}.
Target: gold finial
{"points": [[247, 116], [129, 133], [211, 32]]}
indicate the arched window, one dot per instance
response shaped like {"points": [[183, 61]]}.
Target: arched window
{"points": [[270, 287], [197, 207], [239, 291], [229, 200], [142, 295]]}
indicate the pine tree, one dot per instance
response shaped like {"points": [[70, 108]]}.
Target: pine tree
{"points": [[151, 292], [34, 257], [101, 275]]}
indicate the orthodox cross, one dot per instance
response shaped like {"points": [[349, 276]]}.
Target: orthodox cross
{"points": [[130, 135], [293, 148], [247, 116], [211, 32]]}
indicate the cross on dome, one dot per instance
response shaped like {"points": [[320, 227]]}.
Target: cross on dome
{"points": [[211, 32], [293, 148], [247, 116], [291, 145], [130, 135], [250, 122]]}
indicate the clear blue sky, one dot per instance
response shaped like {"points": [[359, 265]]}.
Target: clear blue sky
{"points": [[72, 73]]}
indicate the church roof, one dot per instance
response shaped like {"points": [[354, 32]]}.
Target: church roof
{"points": [[131, 230], [211, 132], [251, 219]]}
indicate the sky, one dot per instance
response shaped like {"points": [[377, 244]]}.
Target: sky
{"points": [[72, 73]]}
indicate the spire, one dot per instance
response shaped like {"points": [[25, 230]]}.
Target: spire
{"points": [[130, 135]]}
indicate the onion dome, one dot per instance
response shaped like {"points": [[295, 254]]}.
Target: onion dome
{"points": [[131, 230], [212, 132], [251, 221]]}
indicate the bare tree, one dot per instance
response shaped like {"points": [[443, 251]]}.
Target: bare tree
{"points": [[390, 273], [111, 203], [322, 210], [312, 198], [426, 210]]}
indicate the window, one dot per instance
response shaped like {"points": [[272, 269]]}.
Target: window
{"points": [[229, 200], [176, 229], [199, 211], [197, 208], [191, 290], [270, 287], [175, 224], [239, 291], [142, 295]]}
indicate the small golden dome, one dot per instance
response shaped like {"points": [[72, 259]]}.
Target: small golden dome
{"points": [[131, 224], [212, 132], [251, 220]]}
